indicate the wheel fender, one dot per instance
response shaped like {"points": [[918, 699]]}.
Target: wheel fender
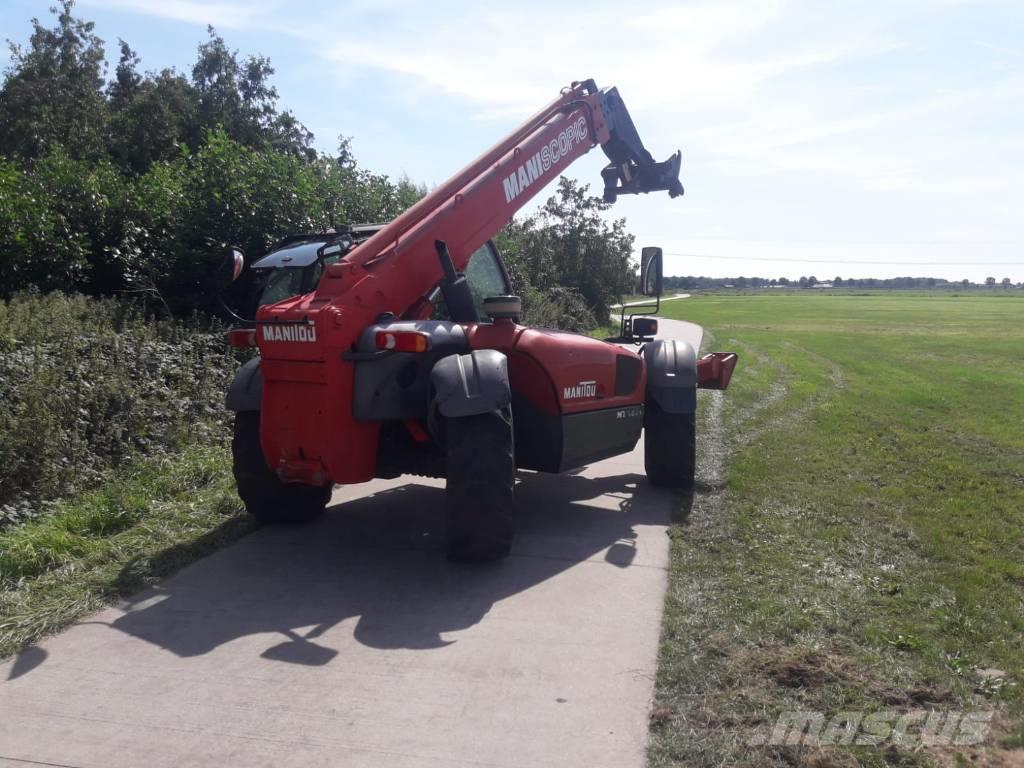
{"points": [[672, 375], [468, 385], [246, 391]]}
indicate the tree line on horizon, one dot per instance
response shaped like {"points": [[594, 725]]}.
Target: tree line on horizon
{"points": [[674, 282]]}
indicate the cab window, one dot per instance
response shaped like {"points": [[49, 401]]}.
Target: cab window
{"points": [[485, 277], [283, 283]]}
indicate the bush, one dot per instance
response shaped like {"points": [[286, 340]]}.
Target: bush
{"points": [[90, 384], [568, 244], [557, 307]]}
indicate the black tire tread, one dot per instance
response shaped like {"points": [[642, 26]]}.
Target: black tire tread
{"points": [[480, 469], [670, 447]]}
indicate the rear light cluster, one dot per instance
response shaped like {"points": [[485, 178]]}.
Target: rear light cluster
{"points": [[242, 337], [403, 341], [396, 341]]}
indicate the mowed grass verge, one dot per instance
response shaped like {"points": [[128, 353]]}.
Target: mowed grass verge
{"points": [[157, 516], [856, 540]]}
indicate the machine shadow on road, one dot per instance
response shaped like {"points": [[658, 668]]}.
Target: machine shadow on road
{"points": [[378, 560]]}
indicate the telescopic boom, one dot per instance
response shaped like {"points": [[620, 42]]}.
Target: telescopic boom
{"points": [[473, 205]]}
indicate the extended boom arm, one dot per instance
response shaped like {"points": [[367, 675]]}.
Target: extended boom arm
{"points": [[468, 209]]}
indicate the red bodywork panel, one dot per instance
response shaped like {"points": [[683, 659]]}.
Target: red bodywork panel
{"points": [[307, 423], [560, 373]]}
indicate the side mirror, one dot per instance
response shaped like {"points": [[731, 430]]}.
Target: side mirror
{"points": [[235, 262], [650, 271], [644, 327], [503, 307]]}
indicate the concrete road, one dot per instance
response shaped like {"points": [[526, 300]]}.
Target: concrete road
{"points": [[663, 298], [352, 642]]}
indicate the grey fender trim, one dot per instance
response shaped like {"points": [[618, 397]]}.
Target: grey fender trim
{"points": [[397, 385], [672, 375], [467, 385], [246, 391]]}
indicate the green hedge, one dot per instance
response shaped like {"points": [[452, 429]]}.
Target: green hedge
{"points": [[90, 384]]}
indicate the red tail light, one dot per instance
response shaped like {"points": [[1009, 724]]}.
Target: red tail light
{"points": [[403, 341], [242, 337]]}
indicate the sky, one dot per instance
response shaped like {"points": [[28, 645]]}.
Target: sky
{"points": [[858, 139]]}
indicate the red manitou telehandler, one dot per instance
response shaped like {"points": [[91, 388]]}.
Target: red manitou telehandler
{"points": [[396, 348]]}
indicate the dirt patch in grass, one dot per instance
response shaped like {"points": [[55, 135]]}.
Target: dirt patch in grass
{"points": [[802, 668]]}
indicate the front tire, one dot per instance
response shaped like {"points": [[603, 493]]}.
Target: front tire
{"points": [[670, 447], [480, 468], [266, 497]]}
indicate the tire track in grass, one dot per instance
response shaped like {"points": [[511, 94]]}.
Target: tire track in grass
{"points": [[777, 390], [835, 382], [717, 442]]}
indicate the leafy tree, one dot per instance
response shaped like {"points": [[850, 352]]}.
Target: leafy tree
{"points": [[990, 281], [237, 95], [1007, 282], [568, 243], [126, 78], [53, 91], [123, 187], [63, 223], [288, 135], [154, 122]]}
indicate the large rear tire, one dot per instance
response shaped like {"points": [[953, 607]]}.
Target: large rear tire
{"points": [[265, 496], [670, 447], [480, 468]]}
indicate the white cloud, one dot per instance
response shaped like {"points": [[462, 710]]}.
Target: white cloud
{"points": [[510, 62], [1004, 50], [218, 14]]}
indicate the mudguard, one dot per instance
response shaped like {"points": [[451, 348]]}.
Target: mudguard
{"points": [[397, 385], [672, 375], [246, 391], [468, 385]]}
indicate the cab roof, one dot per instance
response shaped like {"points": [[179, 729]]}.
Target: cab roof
{"points": [[301, 250]]}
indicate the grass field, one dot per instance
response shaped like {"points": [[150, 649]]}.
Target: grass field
{"points": [[856, 539]]}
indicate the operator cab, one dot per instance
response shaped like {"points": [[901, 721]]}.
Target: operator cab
{"points": [[294, 265]]}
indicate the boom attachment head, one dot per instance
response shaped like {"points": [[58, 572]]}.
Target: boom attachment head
{"points": [[632, 169]]}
